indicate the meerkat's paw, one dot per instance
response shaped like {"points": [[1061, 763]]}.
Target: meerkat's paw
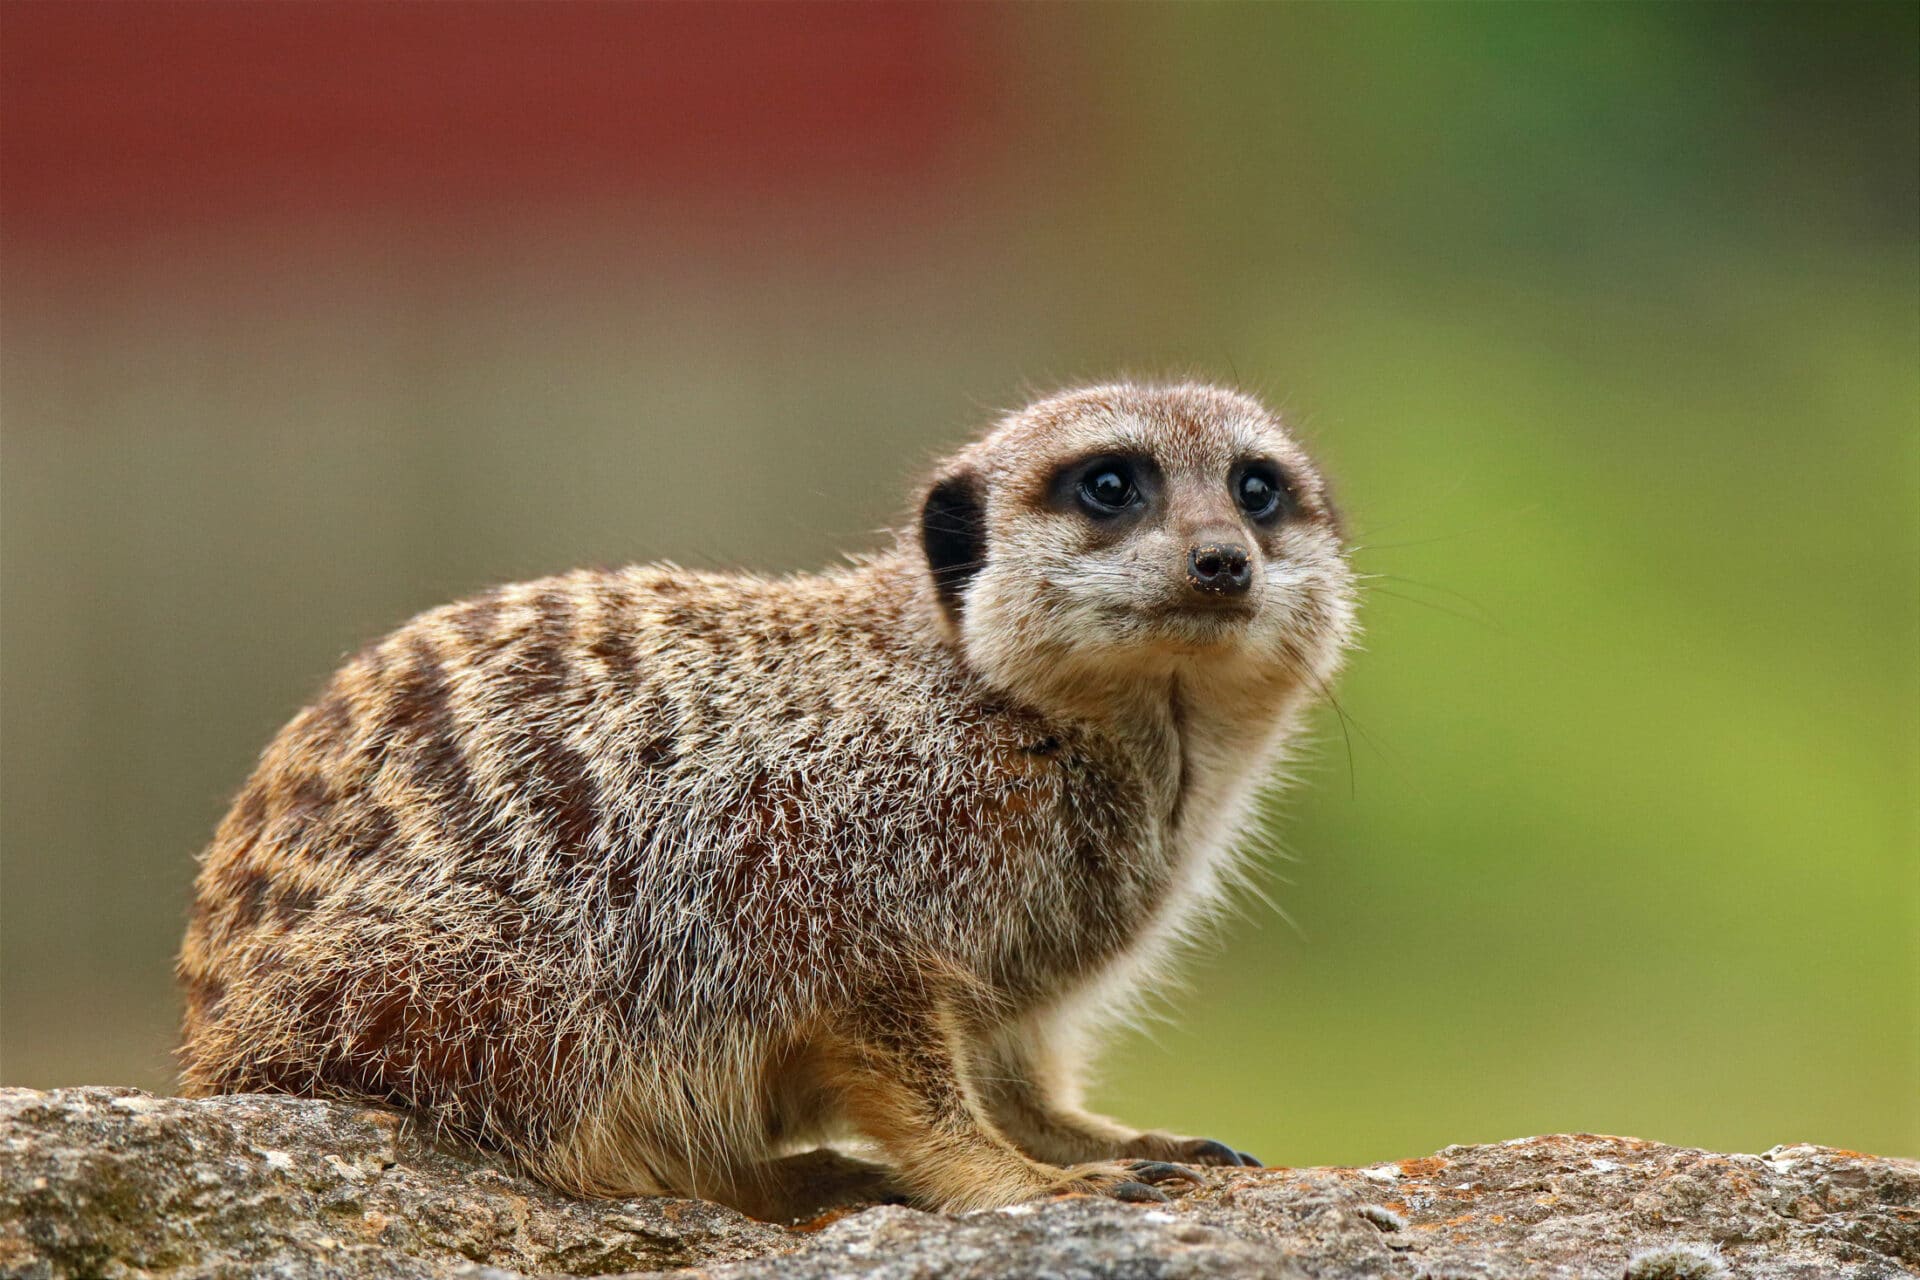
{"points": [[1171, 1146], [1122, 1179]]}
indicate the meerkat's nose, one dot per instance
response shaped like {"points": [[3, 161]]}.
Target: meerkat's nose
{"points": [[1219, 569]]}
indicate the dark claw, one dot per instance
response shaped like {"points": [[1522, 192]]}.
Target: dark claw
{"points": [[1137, 1192], [1208, 1151], [1159, 1171], [1211, 1152]]}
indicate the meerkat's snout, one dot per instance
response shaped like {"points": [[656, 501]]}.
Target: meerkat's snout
{"points": [[1219, 570]]}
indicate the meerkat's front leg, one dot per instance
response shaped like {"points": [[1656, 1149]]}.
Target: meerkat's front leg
{"points": [[902, 1076], [1028, 1089]]}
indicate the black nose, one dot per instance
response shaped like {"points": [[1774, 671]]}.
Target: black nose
{"points": [[1219, 569]]}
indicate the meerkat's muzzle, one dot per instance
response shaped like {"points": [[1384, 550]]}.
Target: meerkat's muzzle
{"points": [[1221, 570]]}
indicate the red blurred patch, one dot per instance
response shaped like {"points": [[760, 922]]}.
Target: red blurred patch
{"points": [[126, 118]]}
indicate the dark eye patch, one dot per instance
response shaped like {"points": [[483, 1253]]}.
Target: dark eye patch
{"points": [[1263, 491], [1105, 487]]}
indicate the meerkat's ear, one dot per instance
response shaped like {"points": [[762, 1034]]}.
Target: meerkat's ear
{"points": [[953, 534]]}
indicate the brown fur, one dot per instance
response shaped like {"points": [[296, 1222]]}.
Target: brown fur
{"points": [[647, 876]]}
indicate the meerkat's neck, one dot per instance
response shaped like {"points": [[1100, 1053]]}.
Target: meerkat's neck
{"points": [[1216, 722]]}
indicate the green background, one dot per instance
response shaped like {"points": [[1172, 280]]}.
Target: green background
{"points": [[1606, 320]]}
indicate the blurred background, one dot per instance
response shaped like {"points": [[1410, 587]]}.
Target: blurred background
{"points": [[1607, 318]]}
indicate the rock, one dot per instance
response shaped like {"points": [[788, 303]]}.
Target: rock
{"points": [[111, 1182]]}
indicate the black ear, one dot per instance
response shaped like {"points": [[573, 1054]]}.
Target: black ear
{"points": [[953, 534]]}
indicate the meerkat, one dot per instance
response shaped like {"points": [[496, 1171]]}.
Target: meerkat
{"points": [[647, 877]]}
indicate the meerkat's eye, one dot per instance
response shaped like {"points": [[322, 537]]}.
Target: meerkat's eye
{"points": [[1262, 491], [1107, 489]]}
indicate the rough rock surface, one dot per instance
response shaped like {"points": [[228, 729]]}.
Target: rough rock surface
{"points": [[103, 1182], [112, 1182]]}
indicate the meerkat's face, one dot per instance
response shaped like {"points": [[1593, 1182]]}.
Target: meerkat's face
{"points": [[1129, 530]]}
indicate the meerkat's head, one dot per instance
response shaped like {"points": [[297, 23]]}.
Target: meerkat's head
{"points": [[1128, 531]]}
